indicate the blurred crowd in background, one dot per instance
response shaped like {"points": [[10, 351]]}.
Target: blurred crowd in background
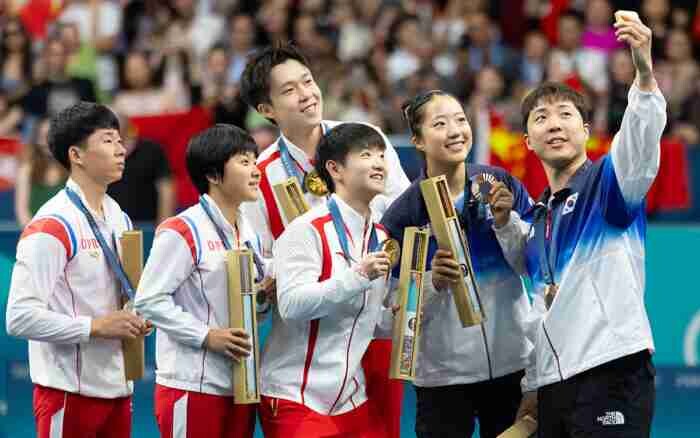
{"points": [[171, 67]]}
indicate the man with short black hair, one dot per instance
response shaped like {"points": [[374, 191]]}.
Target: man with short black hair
{"points": [[584, 252], [67, 286]]}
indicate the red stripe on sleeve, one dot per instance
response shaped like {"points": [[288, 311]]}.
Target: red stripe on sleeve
{"points": [[179, 226], [52, 227]]}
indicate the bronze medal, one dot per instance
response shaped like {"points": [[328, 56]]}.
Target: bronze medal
{"points": [[314, 184], [481, 185], [393, 250]]}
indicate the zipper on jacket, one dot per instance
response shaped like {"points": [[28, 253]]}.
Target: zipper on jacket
{"points": [[467, 228], [204, 349], [486, 348], [347, 354], [556, 356]]}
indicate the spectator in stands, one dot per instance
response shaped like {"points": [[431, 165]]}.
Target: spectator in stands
{"points": [[273, 17], [148, 23], [589, 65], [214, 75], [39, 177], [621, 78], [656, 13], [488, 102], [99, 23], [364, 106], [146, 191], [15, 59], [193, 31], [82, 55], [355, 37], [57, 90], [599, 34], [242, 38], [409, 51], [533, 60], [141, 96], [10, 117], [681, 16], [483, 46], [450, 24], [687, 126], [680, 73], [219, 93]]}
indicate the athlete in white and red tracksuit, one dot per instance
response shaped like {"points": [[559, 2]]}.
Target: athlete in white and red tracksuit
{"points": [[278, 83], [331, 281], [183, 290], [64, 296]]}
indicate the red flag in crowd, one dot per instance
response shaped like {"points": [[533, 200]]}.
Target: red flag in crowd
{"points": [[173, 132], [550, 22], [37, 15]]}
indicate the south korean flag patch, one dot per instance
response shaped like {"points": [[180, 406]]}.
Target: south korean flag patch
{"points": [[569, 204]]}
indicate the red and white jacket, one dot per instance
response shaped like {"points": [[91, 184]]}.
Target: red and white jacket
{"points": [[183, 291], [60, 282], [265, 215], [326, 313]]}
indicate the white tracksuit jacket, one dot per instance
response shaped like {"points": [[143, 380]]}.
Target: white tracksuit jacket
{"points": [[60, 282], [326, 313], [183, 291]]}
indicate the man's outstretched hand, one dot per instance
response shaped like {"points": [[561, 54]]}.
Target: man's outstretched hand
{"points": [[630, 29]]}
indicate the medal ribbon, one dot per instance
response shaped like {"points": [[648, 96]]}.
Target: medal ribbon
{"points": [[259, 267], [340, 230], [112, 260], [543, 221], [288, 161]]}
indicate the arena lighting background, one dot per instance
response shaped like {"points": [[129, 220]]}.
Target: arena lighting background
{"points": [[672, 298]]}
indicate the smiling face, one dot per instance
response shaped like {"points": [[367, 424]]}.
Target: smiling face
{"points": [[240, 180], [361, 175], [556, 132], [445, 135], [295, 97]]}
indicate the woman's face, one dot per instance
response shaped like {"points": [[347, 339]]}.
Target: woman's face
{"points": [[655, 10], [138, 72], [621, 67], [14, 37], [598, 13], [678, 46], [445, 133]]}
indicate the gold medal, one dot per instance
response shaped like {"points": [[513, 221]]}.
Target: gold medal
{"points": [[393, 250], [314, 184], [550, 291]]}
